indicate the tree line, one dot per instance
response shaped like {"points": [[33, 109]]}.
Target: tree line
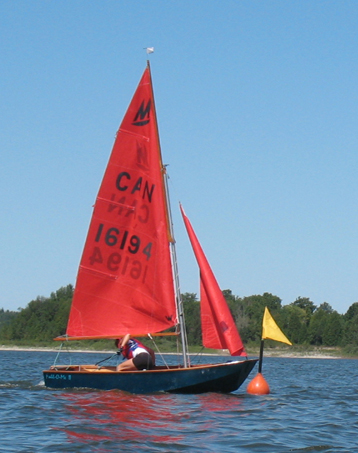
{"points": [[40, 321], [302, 321]]}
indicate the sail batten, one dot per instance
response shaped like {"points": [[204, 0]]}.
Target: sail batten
{"points": [[114, 203], [133, 134], [99, 273]]}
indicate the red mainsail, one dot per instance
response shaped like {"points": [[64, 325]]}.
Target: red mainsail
{"points": [[218, 327], [125, 282]]}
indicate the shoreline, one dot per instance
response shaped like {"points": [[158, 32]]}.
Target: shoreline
{"points": [[275, 353]]}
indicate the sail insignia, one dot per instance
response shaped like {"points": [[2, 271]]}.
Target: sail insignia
{"points": [[142, 113]]}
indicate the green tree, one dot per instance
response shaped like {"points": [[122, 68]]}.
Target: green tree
{"points": [[6, 317], [317, 326], [350, 331], [42, 319], [333, 330], [192, 318], [307, 305], [352, 312], [326, 307], [293, 319]]}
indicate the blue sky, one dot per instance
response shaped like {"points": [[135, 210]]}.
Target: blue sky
{"points": [[257, 106]]}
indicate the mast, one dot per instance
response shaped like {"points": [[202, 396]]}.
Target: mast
{"points": [[178, 298]]}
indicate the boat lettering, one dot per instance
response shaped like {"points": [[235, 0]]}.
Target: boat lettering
{"points": [[57, 376], [123, 180], [114, 237]]}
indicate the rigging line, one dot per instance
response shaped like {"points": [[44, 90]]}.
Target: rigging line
{"points": [[107, 358], [156, 347], [173, 187], [199, 353], [59, 352]]}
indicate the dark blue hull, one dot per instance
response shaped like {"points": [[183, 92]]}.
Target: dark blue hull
{"points": [[223, 378]]}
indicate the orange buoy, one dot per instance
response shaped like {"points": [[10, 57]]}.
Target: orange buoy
{"points": [[258, 386]]}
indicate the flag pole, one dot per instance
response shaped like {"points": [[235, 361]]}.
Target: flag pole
{"points": [[261, 354], [259, 385]]}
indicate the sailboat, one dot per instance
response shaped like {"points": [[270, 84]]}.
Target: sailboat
{"points": [[128, 281]]}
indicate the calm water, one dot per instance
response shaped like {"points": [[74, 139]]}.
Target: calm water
{"points": [[313, 407]]}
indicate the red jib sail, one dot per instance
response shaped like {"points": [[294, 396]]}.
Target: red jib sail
{"points": [[218, 327], [125, 283]]}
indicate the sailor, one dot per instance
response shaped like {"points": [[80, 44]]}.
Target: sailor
{"points": [[139, 357]]}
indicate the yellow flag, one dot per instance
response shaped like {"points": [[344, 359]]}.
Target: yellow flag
{"points": [[270, 329]]}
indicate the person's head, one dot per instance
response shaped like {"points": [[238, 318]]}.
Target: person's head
{"points": [[118, 342]]}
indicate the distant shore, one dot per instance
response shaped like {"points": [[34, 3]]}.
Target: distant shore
{"points": [[302, 355], [319, 353]]}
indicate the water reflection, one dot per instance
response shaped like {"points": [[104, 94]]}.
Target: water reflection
{"points": [[116, 416], [215, 402]]}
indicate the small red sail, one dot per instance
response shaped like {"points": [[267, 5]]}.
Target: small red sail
{"points": [[125, 282], [218, 327]]}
